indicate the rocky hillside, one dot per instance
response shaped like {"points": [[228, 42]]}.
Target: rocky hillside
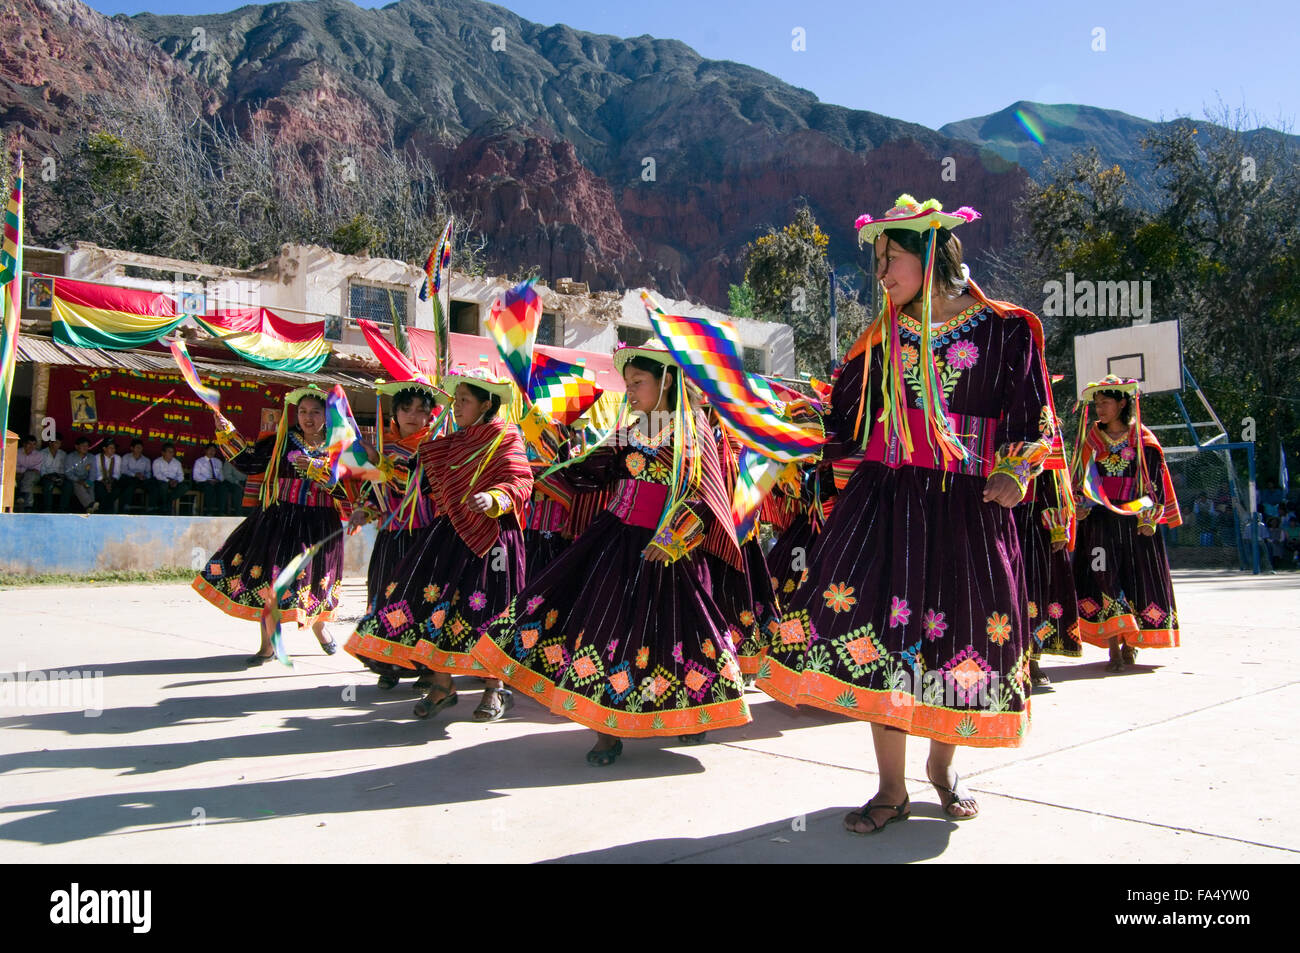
{"points": [[614, 161]]}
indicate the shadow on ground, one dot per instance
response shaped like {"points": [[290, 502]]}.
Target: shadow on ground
{"points": [[821, 839]]}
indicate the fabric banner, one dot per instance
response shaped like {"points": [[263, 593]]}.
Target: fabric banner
{"points": [[116, 319], [156, 407], [398, 365], [262, 337]]}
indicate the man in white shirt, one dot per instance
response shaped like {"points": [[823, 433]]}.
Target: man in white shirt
{"points": [[53, 461], [137, 474], [207, 477], [169, 483]]}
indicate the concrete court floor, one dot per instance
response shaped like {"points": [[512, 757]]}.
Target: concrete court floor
{"points": [[1188, 757]]}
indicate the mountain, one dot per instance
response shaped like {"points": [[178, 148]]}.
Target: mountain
{"points": [[1032, 134], [616, 161]]}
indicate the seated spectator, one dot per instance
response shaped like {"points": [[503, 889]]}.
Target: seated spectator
{"points": [[169, 483], [234, 478], [79, 482], [137, 474], [207, 476], [108, 476], [53, 460], [1277, 548], [27, 474]]}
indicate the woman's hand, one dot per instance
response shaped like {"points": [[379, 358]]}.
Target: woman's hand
{"points": [[480, 503], [1003, 490], [1147, 530], [1058, 545], [371, 453], [654, 554]]}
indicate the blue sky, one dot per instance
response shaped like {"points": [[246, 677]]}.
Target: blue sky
{"points": [[1161, 60]]}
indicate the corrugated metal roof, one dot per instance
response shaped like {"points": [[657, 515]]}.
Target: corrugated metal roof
{"points": [[46, 351]]}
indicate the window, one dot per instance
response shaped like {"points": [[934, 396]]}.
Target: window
{"points": [[376, 303], [755, 360], [463, 318], [632, 335], [550, 329]]}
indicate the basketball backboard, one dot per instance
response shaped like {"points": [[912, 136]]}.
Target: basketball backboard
{"points": [[1151, 354]]}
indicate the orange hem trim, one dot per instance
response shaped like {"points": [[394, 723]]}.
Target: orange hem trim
{"points": [[561, 701], [375, 649], [972, 729], [426, 654], [254, 613], [750, 664], [1127, 628]]}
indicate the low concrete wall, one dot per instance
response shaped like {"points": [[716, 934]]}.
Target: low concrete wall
{"points": [[34, 543]]}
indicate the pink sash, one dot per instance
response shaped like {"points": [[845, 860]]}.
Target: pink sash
{"points": [[639, 502], [975, 432]]}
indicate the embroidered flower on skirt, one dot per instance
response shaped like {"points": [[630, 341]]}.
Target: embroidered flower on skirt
{"points": [[934, 624], [899, 613], [998, 628], [839, 597]]}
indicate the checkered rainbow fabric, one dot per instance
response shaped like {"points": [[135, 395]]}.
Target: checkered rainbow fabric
{"points": [[560, 390], [709, 353]]}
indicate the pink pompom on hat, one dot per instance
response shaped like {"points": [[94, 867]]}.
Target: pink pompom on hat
{"points": [[910, 214]]}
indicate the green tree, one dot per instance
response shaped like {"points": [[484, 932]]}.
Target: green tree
{"points": [[1218, 240], [787, 270], [740, 300]]}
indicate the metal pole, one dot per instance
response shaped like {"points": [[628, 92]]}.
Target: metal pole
{"points": [[835, 331], [1254, 523]]}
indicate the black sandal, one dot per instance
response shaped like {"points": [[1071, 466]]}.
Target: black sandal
{"points": [[259, 659], [426, 706], [387, 682], [900, 814], [603, 759], [950, 796], [696, 739]]}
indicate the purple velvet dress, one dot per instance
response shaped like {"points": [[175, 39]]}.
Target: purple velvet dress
{"points": [[913, 614], [1052, 609], [1122, 577], [611, 640]]}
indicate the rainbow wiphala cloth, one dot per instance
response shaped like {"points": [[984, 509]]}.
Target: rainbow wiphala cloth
{"points": [[560, 390]]}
